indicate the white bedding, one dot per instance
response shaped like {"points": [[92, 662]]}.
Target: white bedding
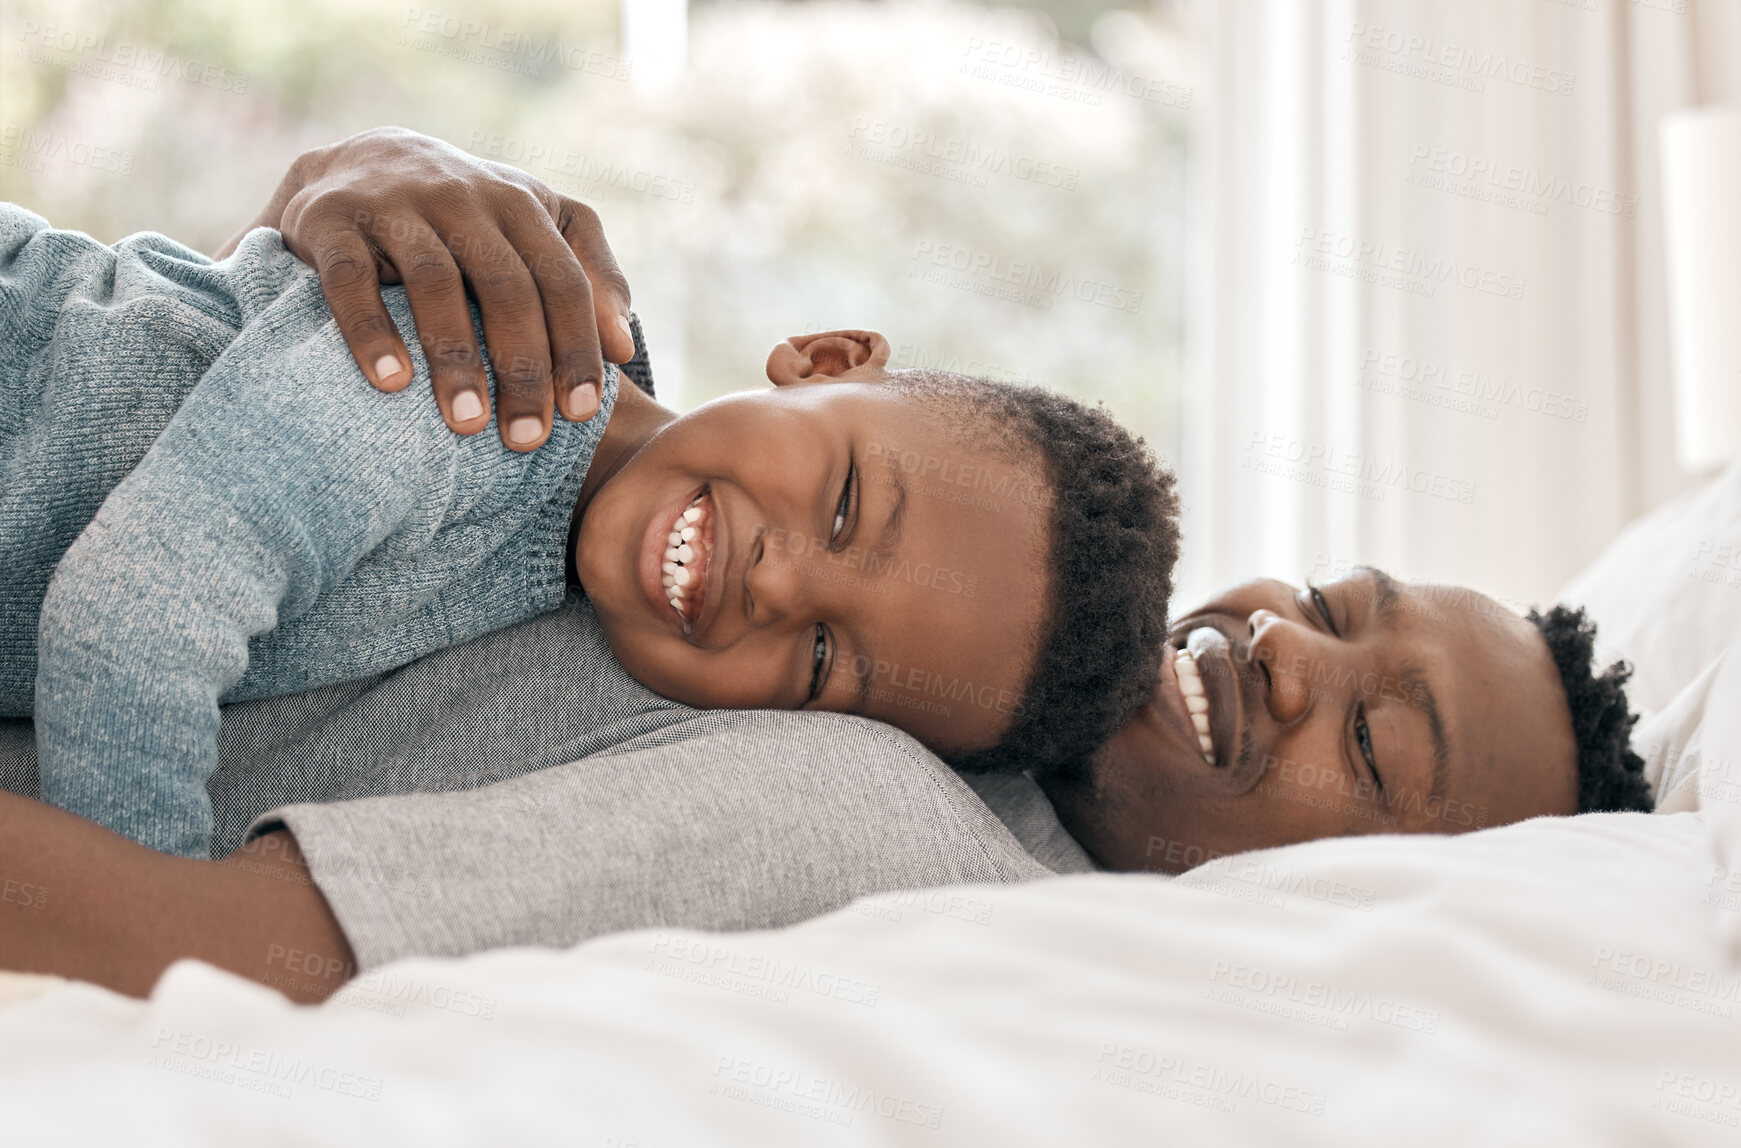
{"points": [[1559, 982], [1667, 591], [1555, 982]]}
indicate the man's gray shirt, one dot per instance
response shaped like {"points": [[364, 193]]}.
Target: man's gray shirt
{"points": [[522, 788]]}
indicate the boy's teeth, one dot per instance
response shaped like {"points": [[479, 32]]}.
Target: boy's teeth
{"points": [[679, 554], [1196, 701]]}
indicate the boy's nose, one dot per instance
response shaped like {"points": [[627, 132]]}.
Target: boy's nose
{"points": [[780, 578]]}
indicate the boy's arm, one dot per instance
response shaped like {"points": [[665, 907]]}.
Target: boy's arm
{"points": [[250, 504], [79, 901], [391, 205]]}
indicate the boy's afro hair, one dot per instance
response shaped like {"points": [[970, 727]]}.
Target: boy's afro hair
{"points": [[1610, 775], [1114, 538]]}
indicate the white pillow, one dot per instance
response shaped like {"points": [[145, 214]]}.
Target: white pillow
{"points": [[1689, 745], [1666, 594]]}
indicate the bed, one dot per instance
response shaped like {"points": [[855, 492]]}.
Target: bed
{"points": [[1561, 981]]}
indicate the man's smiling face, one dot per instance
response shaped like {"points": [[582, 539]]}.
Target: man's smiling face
{"points": [[1360, 705]]}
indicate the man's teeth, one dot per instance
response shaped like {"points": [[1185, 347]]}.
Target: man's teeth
{"points": [[1196, 700], [681, 546]]}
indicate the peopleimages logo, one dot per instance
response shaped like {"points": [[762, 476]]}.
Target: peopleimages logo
{"points": [[1023, 281], [1445, 61], [1314, 1001], [119, 61], [1529, 189], [577, 170], [23, 893], [878, 566], [1669, 982], [895, 144], [1351, 472], [1315, 247], [1391, 372], [804, 1093], [256, 1069], [1082, 78], [748, 965], [26, 148], [1316, 786], [505, 49], [1717, 562], [1196, 1082]]}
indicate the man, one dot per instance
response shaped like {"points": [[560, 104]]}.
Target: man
{"points": [[1360, 705], [435, 810], [599, 806]]}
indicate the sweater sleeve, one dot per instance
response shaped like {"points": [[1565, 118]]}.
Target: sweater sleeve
{"points": [[279, 472]]}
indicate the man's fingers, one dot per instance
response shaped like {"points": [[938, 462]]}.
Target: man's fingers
{"points": [[391, 205], [610, 290], [513, 322], [444, 327], [577, 362], [352, 286]]}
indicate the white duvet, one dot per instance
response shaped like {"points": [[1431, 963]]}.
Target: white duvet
{"points": [[1558, 982]]}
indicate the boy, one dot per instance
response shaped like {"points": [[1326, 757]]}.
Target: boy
{"points": [[184, 520]]}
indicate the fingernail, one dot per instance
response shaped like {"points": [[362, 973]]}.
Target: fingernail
{"points": [[467, 406], [387, 367], [623, 325], [525, 429], [580, 402]]}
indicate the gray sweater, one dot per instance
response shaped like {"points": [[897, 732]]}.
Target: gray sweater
{"points": [[202, 500]]}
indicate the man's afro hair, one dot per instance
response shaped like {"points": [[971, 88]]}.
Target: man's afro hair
{"points": [[1610, 775]]}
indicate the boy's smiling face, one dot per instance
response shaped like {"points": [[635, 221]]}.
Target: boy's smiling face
{"points": [[846, 550]]}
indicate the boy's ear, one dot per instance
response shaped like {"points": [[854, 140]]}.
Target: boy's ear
{"points": [[832, 356]]}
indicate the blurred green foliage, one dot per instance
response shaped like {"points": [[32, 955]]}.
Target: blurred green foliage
{"points": [[948, 173]]}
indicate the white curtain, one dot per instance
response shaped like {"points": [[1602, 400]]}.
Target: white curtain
{"points": [[1429, 329]]}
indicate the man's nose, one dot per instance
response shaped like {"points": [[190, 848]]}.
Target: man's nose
{"points": [[1294, 664]]}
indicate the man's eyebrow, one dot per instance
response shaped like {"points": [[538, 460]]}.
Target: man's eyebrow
{"points": [[1386, 592], [1429, 705], [886, 542]]}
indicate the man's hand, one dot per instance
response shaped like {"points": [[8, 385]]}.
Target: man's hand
{"points": [[79, 901], [393, 206]]}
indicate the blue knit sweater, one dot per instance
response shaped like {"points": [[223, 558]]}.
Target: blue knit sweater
{"points": [[202, 500]]}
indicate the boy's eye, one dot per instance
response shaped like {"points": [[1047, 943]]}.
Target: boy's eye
{"points": [[818, 661], [841, 508]]}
